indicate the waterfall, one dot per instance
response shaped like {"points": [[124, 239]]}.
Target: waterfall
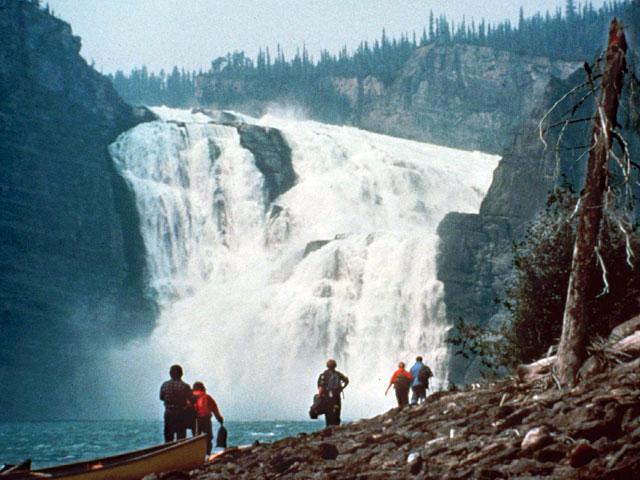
{"points": [[255, 295]]}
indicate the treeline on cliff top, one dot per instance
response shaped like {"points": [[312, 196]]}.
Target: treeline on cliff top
{"points": [[578, 34]]}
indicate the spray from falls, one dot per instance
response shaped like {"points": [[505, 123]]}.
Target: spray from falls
{"points": [[255, 294]]}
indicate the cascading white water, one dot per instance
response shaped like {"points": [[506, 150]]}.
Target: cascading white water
{"points": [[242, 307]]}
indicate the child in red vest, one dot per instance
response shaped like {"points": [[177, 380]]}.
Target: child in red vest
{"points": [[204, 406]]}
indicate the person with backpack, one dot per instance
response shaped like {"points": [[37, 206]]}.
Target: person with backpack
{"points": [[204, 406], [176, 396], [401, 381], [421, 374], [330, 385]]}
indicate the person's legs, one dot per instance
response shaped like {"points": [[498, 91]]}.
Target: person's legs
{"points": [[338, 409], [415, 394], [403, 397], [181, 427], [332, 417], [203, 425], [328, 418], [173, 425], [190, 422], [422, 397], [168, 428]]}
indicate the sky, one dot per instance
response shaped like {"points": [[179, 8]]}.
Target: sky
{"points": [[122, 34]]}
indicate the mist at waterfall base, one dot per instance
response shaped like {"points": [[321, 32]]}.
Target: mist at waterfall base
{"points": [[246, 306]]}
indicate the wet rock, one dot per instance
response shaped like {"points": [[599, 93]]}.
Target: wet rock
{"points": [[414, 460], [535, 438], [513, 419], [489, 474], [313, 246], [328, 451], [582, 454], [416, 442], [281, 464], [552, 453], [272, 155], [503, 411]]}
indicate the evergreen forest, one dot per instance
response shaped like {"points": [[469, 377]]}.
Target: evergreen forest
{"points": [[577, 33]]}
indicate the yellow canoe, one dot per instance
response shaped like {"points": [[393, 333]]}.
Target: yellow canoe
{"points": [[179, 456]]}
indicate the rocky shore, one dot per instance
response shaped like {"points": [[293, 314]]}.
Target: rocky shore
{"points": [[505, 429]]}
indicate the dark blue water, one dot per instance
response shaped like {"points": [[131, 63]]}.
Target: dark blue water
{"points": [[52, 443]]}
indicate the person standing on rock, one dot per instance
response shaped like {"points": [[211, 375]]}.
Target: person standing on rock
{"points": [[330, 385], [421, 374], [176, 396], [401, 381]]}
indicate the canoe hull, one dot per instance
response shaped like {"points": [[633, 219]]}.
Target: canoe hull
{"points": [[184, 455]]}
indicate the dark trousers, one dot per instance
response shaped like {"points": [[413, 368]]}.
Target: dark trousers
{"points": [[203, 425], [419, 394], [332, 417], [174, 426], [402, 395]]}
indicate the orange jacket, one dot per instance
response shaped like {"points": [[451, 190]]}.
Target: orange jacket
{"points": [[400, 371], [205, 405]]}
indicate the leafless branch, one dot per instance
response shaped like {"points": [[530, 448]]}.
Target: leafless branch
{"points": [[605, 288], [552, 109], [568, 122]]}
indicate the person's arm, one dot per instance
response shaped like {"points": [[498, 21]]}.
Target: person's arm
{"points": [[213, 406], [188, 397], [409, 376], [393, 378], [162, 392], [345, 381], [321, 384]]}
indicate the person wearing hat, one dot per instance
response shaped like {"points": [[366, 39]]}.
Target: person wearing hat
{"points": [[330, 385]]}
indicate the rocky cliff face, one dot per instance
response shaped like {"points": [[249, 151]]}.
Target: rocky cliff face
{"points": [[461, 96], [70, 253], [475, 254]]}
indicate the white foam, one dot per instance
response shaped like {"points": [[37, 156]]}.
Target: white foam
{"points": [[241, 307]]}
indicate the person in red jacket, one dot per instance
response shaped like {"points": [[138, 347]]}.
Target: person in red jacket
{"points": [[401, 381], [204, 406]]}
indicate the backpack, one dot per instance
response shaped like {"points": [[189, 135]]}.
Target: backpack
{"points": [[402, 382], [332, 382], [319, 407], [423, 376]]}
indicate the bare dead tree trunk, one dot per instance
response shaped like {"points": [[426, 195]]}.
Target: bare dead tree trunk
{"points": [[576, 322]]}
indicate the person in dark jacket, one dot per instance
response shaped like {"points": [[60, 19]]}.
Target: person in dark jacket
{"points": [[330, 385], [205, 406], [176, 396], [401, 381]]}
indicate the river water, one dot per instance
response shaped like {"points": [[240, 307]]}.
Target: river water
{"points": [[52, 443]]}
